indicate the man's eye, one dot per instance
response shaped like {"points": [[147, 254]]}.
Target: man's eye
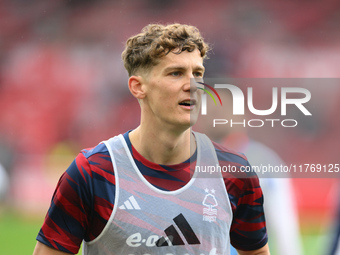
{"points": [[198, 74], [175, 73]]}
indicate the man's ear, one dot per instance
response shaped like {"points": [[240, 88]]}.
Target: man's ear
{"points": [[136, 86]]}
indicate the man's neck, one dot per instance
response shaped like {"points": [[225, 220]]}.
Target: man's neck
{"points": [[163, 147]]}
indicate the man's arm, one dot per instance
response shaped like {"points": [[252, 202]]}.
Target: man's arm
{"points": [[262, 251], [43, 249]]}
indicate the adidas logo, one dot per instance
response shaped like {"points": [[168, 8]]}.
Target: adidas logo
{"points": [[130, 204], [174, 238]]}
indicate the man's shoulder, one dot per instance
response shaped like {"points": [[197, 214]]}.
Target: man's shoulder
{"points": [[94, 158], [226, 154], [94, 161], [96, 151]]}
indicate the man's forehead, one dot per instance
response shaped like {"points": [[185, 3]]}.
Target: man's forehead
{"points": [[183, 59]]}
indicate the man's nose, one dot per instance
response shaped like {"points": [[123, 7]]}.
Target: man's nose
{"points": [[194, 84]]}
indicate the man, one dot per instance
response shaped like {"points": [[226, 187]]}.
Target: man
{"points": [[335, 231], [3, 184], [135, 193]]}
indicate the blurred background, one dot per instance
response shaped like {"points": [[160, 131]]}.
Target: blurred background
{"points": [[63, 87]]}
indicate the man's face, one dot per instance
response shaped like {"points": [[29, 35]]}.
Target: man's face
{"points": [[170, 98]]}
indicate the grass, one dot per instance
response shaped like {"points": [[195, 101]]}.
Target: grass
{"points": [[17, 234]]}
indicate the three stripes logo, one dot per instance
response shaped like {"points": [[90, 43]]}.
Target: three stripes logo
{"points": [[130, 204], [173, 236], [204, 96]]}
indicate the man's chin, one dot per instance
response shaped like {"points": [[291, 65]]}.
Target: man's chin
{"points": [[193, 119]]}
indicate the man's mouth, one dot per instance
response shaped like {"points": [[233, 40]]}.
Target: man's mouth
{"points": [[188, 103]]}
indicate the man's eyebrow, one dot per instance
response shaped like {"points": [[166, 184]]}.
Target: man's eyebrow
{"points": [[200, 68], [171, 68]]}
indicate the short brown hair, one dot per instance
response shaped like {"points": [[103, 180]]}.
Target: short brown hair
{"points": [[143, 50]]}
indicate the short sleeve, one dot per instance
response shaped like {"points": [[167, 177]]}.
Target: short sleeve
{"points": [[66, 221], [248, 231]]}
